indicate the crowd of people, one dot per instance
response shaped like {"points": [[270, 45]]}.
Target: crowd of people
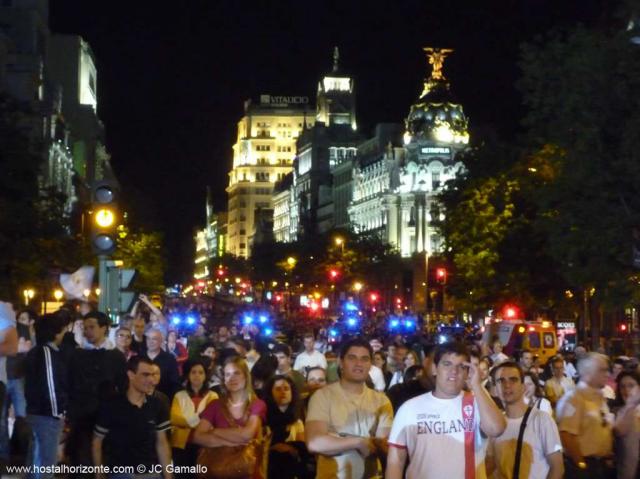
{"points": [[222, 402]]}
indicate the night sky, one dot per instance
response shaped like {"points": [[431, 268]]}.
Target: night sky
{"points": [[172, 78]]}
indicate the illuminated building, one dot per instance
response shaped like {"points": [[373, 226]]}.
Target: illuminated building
{"points": [[54, 76], [396, 179], [201, 270], [282, 209], [209, 242], [262, 155], [72, 69], [319, 148]]}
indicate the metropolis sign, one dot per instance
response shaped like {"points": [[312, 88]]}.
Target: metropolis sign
{"points": [[436, 150], [283, 100]]}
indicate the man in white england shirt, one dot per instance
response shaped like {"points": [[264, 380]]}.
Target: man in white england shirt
{"points": [[431, 430], [309, 358], [541, 451]]}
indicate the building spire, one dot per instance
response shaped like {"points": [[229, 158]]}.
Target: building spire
{"points": [[336, 58]]}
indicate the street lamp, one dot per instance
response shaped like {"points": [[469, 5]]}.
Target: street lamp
{"points": [[28, 295], [339, 241], [58, 294]]}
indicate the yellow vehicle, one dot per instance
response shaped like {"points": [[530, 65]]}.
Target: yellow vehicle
{"points": [[539, 337]]}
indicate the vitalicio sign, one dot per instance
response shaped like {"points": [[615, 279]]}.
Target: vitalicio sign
{"points": [[283, 100]]}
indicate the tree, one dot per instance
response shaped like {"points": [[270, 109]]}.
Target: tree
{"points": [[143, 251], [497, 253], [581, 89]]}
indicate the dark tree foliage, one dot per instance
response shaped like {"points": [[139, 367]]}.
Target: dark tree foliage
{"points": [[559, 213], [582, 90], [34, 244]]}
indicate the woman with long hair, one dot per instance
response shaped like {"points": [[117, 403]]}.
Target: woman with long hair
{"points": [[627, 425], [236, 418], [380, 360], [533, 393], [411, 359], [287, 453], [185, 412]]}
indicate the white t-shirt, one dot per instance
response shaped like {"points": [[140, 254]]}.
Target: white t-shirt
{"points": [[377, 378], [306, 360], [541, 403], [366, 415], [432, 431], [541, 438]]}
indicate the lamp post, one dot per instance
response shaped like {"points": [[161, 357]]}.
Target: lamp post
{"points": [[291, 264]]}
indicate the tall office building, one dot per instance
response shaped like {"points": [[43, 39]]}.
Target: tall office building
{"points": [[71, 67], [262, 155]]}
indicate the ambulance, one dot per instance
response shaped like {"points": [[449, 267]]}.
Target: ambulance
{"points": [[516, 334]]}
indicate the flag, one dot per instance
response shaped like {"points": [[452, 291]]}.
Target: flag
{"points": [[74, 285]]}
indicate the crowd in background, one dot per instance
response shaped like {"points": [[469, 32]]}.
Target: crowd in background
{"points": [[80, 390]]}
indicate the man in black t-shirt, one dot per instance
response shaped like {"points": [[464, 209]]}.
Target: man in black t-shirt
{"points": [[132, 429]]}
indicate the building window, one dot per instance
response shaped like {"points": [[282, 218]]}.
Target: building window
{"points": [[435, 180]]}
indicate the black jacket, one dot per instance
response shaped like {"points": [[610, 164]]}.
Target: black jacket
{"points": [[45, 386], [95, 375]]}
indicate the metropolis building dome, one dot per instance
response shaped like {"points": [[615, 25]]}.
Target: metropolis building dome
{"points": [[436, 116]]}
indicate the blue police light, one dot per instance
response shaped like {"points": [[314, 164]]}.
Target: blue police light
{"points": [[247, 320], [409, 324], [333, 333], [191, 320], [442, 339], [350, 307], [394, 323], [176, 320], [263, 318], [352, 322], [267, 331]]}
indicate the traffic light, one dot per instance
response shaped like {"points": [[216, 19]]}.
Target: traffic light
{"points": [[373, 297], [333, 274], [441, 275], [623, 327], [104, 218]]}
